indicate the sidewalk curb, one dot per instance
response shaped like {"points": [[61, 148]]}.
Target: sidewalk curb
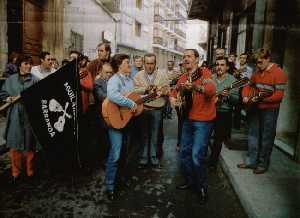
{"points": [[238, 190]]}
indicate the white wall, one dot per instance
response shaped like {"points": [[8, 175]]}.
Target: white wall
{"points": [[87, 18], [129, 14], [196, 33]]}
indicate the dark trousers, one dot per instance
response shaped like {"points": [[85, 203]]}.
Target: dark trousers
{"points": [[179, 125], [222, 128], [261, 136]]}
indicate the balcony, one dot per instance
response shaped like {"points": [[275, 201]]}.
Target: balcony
{"points": [[179, 48], [180, 32], [183, 2], [179, 15], [158, 18], [157, 40], [113, 5]]}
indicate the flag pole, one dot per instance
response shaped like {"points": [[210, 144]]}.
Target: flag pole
{"points": [[77, 87]]}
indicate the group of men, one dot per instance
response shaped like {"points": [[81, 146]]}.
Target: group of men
{"points": [[203, 98]]}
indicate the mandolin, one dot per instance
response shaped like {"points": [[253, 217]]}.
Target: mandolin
{"points": [[260, 94], [235, 85]]}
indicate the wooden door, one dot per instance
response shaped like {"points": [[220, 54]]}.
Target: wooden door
{"points": [[32, 28], [25, 27]]}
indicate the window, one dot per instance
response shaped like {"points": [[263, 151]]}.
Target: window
{"points": [[139, 4], [137, 29], [241, 42], [76, 42]]}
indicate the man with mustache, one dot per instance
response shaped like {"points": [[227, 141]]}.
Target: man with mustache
{"points": [[197, 124], [226, 100]]}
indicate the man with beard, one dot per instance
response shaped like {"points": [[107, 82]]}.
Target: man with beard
{"points": [[198, 85]]}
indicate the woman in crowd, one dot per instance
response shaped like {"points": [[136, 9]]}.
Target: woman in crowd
{"points": [[19, 136], [11, 67]]}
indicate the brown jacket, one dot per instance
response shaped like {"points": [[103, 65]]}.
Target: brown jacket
{"points": [[141, 84], [94, 67]]}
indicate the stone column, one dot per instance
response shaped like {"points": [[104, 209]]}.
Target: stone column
{"points": [[3, 35], [259, 19], [53, 28]]}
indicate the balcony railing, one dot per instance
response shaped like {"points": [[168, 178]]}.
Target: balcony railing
{"points": [[113, 5]]}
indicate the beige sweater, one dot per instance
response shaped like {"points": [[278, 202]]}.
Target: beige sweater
{"points": [[142, 82]]}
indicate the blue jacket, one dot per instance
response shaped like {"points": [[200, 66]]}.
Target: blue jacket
{"points": [[18, 132]]}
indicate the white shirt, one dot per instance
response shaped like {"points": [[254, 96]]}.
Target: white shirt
{"points": [[38, 72]]}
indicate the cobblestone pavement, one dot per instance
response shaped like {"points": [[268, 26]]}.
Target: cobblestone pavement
{"points": [[151, 194]]}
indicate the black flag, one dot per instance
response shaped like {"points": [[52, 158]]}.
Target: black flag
{"points": [[52, 106]]}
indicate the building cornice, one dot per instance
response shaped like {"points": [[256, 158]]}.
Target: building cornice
{"points": [[106, 10], [130, 47], [167, 49]]}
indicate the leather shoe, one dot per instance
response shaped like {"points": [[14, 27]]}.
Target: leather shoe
{"points": [[183, 186], [156, 166], [142, 166], [110, 195], [259, 170], [203, 197], [245, 166], [15, 180]]}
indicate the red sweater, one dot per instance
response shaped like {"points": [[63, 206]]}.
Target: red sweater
{"points": [[203, 107], [86, 83], [272, 78]]}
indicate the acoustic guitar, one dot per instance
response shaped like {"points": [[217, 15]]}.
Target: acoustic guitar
{"points": [[117, 117], [185, 97]]}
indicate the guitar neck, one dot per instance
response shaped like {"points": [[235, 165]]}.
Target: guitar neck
{"points": [[147, 98], [234, 86]]}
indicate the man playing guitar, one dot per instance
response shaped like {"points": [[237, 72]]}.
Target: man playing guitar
{"points": [[119, 84], [198, 123], [226, 100], [263, 117], [146, 81]]}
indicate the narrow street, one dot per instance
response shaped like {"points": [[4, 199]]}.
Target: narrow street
{"points": [[151, 193]]}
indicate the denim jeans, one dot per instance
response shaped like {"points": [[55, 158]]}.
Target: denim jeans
{"points": [[261, 136], [116, 139], [153, 123], [193, 149]]}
